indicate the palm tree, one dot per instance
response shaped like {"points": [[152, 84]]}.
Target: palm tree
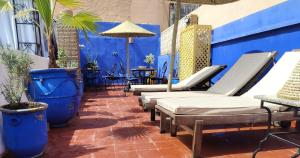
{"points": [[84, 21]]}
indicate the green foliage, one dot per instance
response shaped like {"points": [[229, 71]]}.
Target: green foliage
{"points": [[5, 5], [17, 64], [91, 62], [84, 21], [45, 10], [62, 60], [71, 4]]}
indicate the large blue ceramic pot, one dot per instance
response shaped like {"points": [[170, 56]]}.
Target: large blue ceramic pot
{"points": [[25, 131], [60, 90]]}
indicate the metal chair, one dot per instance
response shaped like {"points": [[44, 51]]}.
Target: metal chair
{"points": [[160, 77], [111, 76], [125, 78]]}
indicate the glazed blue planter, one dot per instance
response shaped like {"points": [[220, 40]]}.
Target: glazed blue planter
{"points": [[59, 89], [25, 132]]}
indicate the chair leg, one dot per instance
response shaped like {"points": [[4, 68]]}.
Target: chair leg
{"points": [[163, 117], [197, 139], [140, 101], [152, 115], [298, 125], [173, 128]]}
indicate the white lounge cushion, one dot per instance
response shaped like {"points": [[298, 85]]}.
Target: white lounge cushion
{"points": [[241, 72], [148, 98], [274, 80], [154, 88], [186, 84], [213, 105]]}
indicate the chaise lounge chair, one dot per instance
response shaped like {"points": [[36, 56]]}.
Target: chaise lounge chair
{"points": [[193, 114], [241, 76], [201, 77]]}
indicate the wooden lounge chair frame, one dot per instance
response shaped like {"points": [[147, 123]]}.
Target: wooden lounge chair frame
{"points": [[244, 89], [195, 124]]}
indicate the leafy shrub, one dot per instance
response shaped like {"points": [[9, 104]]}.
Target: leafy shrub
{"points": [[17, 64]]}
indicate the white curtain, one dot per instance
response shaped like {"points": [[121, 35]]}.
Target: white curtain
{"points": [[26, 31], [8, 34], [22, 34]]}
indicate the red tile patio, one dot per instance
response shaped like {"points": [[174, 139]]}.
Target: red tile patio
{"points": [[113, 126]]}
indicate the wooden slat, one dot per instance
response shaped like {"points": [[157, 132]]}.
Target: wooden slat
{"points": [[189, 120], [197, 139], [162, 122]]}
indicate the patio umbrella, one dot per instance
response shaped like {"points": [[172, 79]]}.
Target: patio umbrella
{"points": [[127, 30], [177, 15]]}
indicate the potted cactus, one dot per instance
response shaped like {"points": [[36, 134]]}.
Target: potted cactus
{"points": [[25, 130]]}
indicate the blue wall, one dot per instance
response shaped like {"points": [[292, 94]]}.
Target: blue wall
{"points": [[102, 48], [273, 29], [167, 58]]}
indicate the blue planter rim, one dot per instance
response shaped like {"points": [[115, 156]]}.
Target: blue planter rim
{"points": [[43, 106], [52, 70]]}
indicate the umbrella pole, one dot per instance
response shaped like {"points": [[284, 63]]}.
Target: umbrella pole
{"points": [[174, 39], [127, 57]]}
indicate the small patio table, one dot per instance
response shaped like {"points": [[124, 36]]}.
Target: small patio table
{"points": [[142, 73], [293, 105]]}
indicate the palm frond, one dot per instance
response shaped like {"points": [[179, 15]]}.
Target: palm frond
{"points": [[83, 21], [44, 8], [5, 5], [71, 4]]}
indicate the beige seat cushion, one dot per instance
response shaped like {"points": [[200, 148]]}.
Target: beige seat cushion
{"points": [[151, 101], [213, 105], [151, 98], [241, 73]]}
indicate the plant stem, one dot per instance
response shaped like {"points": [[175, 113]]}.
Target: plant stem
{"points": [[52, 60]]}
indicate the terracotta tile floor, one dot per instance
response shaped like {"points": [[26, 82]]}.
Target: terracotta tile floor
{"points": [[113, 126]]}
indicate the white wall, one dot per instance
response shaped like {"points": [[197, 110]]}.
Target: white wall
{"points": [[219, 15], [138, 11]]}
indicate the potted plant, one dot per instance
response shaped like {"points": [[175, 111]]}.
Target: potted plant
{"points": [[149, 59], [56, 86], [63, 61], [25, 130]]}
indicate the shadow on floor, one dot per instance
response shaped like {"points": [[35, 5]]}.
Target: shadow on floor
{"points": [[127, 118], [91, 113], [131, 132], [234, 142], [136, 110], [92, 123]]}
